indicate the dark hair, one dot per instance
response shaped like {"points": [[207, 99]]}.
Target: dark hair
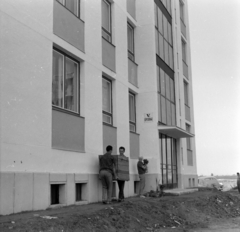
{"points": [[109, 148], [145, 161], [122, 148]]}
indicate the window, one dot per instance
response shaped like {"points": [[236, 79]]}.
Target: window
{"points": [[186, 93], [107, 101], [163, 36], [65, 82], [130, 34], [106, 20], [181, 11], [189, 147], [132, 112], [184, 52], [166, 98], [72, 5]]}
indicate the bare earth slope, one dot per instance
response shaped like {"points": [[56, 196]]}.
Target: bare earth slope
{"points": [[198, 211]]}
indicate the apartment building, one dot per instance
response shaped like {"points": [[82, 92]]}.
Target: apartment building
{"points": [[78, 75]]}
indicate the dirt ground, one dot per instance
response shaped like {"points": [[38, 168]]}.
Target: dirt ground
{"points": [[205, 210]]}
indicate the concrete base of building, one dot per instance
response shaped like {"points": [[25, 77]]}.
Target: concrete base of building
{"points": [[34, 191]]}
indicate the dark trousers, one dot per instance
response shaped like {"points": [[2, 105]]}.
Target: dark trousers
{"points": [[121, 184]]}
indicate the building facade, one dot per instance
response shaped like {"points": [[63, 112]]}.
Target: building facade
{"points": [[78, 75]]}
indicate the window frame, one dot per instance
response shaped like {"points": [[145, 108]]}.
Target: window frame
{"points": [[110, 114], [62, 109], [131, 54], [131, 122], [109, 33], [63, 3]]}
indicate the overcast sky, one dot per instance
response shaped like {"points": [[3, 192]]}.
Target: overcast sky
{"points": [[215, 53]]}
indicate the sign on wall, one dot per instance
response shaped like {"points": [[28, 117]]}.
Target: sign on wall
{"points": [[148, 117]]}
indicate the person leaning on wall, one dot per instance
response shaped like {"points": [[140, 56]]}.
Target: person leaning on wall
{"points": [[141, 171], [107, 173]]}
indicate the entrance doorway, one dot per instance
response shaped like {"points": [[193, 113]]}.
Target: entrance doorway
{"points": [[168, 161]]}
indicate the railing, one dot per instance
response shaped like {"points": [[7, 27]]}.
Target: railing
{"points": [[132, 73], [108, 55], [183, 28], [185, 69]]}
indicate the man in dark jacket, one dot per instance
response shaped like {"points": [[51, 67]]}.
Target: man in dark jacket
{"points": [[107, 172], [141, 171]]}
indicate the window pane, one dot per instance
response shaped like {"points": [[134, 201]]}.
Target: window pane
{"points": [[130, 39], [163, 109], [57, 79], [169, 151], [186, 93], [173, 114], [160, 21], [73, 6], [159, 108], [170, 56], [163, 83], [172, 89], [158, 78], [163, 150], [132, 108], [71, 86], [167, 86], [166, 52], [161, 48], [184, 57], [169, 117], [169, 33], [174, 152], [106, 15], [165, 25], [156, 14], [156, 39], [106, 96]]}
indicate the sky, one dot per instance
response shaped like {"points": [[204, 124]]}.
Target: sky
{"points": [[215, 57]]}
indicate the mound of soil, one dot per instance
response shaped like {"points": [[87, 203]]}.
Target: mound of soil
{"points": [[168, 213]]}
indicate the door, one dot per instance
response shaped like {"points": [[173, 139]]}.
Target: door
{"points": [[168, 161]]}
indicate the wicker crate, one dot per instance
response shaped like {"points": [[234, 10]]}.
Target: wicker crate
{"points": [[122, 167]]}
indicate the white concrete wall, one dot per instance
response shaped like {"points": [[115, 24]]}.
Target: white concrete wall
{"points": [[26, 154]]}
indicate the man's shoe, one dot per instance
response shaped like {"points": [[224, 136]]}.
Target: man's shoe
{"points": [[104, 202]]}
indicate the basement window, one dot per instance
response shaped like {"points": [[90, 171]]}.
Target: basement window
{"points": [[57, 194]]}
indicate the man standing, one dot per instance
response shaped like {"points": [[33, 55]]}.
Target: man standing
{"points": [[107, 172], [238, 182], [141, 171], [121, 183]]}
